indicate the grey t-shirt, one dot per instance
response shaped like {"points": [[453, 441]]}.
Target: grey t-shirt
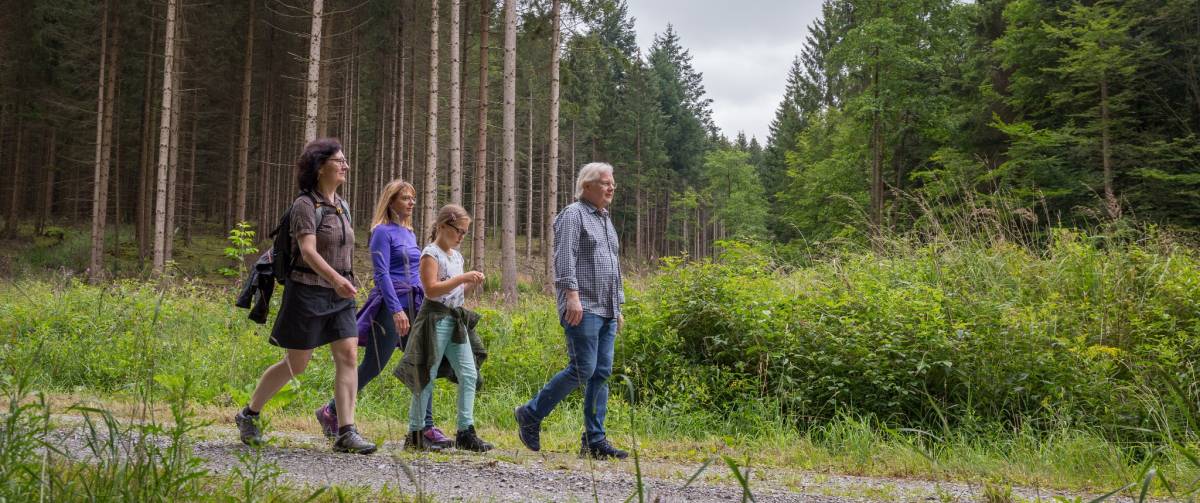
{"points": [[449, 265]]}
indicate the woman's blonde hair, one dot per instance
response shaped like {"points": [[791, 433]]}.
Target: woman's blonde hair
{"points": [[383, 208], [449, 214]]}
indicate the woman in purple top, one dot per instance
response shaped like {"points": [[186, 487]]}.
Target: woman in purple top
{"points": [[383, 321]]}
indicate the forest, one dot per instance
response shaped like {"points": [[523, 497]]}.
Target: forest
{"points": [[966, 252]]}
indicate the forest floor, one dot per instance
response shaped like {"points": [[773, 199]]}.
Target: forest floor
{"points": [[512, 473]]}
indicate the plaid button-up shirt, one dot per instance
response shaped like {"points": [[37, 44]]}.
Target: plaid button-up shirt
{"points": [[586, 260]]}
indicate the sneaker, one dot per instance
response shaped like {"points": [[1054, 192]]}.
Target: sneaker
{"points": [[354, 443], [435, 436], [601, 450], [417, 441], [249, 430], [327, 418], [468, 440], [528, 428]]}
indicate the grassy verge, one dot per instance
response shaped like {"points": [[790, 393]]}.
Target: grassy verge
{"points": [[116, 341]]}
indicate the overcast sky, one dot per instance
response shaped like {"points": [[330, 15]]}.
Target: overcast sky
{"points": [[742, 47]]}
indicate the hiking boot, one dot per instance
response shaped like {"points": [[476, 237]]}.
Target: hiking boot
{"points": [[417, 441], [600, 450], [468, 440], [528, 428], [327, 418], [352, 442], [436, 437], [248, 429]]}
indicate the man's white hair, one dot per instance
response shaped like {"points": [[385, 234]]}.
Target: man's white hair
{"points": [[590, 172]]}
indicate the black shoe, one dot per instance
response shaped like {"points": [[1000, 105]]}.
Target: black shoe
{"points": [[600, 450], [417, 441], [249, 430], [529, 429], [468, 440], [352, 442]]}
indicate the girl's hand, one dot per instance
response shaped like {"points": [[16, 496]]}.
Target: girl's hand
{"points": [[345, 289], [472, 277]]}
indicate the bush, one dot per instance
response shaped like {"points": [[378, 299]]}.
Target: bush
{"points": [[939, 334]]}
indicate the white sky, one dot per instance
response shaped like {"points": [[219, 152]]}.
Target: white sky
{"points": [[743, 48]]}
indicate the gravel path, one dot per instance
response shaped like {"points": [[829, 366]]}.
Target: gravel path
{"points": [[519, 475]]}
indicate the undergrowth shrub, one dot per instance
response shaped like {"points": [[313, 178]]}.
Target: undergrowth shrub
{"points": [[969, 332]]}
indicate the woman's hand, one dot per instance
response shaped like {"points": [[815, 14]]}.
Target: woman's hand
{"points": [[401, 321], [345, 289]]}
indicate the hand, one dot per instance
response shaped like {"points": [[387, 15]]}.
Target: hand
{"points": [[472, 277], [344, 288], [574, 313], [401, 321], [620, 322]]}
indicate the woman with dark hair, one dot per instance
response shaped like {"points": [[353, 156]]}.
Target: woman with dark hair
{"points": [[318, 296], [384, 319]]}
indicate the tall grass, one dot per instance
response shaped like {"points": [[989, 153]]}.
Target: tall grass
{"points": [[1071, 365]]}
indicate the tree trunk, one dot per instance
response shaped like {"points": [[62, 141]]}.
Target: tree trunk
{"points": [[51, 169], [1110, 197], [552, 183], [876, 160], [173, 163], [508, 252], [478, 246], [431, 152], [529, 184], [323, 82], [146, 157], [104, 97], [11, 224], [456, 177], [164, 140], [239, 213], [189, 201], [311, 94]]}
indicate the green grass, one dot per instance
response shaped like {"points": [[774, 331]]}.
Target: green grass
{"points": [[1103, 328], [68, 337]]}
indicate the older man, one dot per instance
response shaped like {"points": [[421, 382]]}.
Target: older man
{"points": [[590, 294]]}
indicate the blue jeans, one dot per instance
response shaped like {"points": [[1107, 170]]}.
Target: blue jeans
{"points": [[589, 364], [462, 360]]}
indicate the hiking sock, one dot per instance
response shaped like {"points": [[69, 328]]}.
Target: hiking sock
{"points": [[342, 430], [249, 413]]}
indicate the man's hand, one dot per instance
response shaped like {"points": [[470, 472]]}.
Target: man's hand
{"points": [[345, 289], [401, 321], [620, 322], [574, 313]]}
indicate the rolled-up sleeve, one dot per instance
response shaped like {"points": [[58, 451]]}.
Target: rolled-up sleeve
{"points": [[566, 250]]}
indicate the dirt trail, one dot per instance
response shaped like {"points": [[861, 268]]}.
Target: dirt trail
{"points": [[510, 474]]}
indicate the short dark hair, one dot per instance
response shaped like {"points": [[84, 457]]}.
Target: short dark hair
{"points": [[315, 154]]}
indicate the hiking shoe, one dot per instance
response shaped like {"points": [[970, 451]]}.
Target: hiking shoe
{"points": [[468, 440], [436, 437], [528, 428], [354, 443], [417, 441], [327, 418], [601, 450], [248, 429]]}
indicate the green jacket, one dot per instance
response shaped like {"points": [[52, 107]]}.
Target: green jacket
{"points": [[413, 368]]}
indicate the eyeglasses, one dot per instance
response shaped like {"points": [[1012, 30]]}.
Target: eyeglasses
{"points": [[461, 232], [340, 160], [607, 185]]}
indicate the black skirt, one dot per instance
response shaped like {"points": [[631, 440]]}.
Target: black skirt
{"points": [[312, 316]]}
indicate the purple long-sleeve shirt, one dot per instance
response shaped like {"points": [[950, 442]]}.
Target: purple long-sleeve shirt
{"points": [[396, 257]]}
